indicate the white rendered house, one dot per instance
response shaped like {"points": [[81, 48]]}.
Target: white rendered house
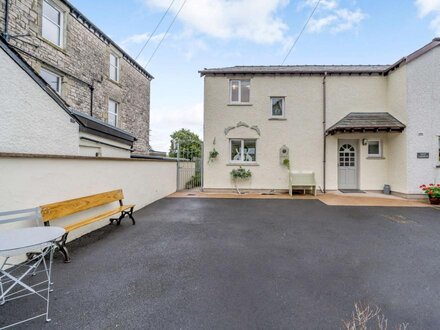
{"points": [[355, 127]]}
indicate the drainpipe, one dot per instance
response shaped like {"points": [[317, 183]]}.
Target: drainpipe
{"points": [[5, 31], [92, 88], [324, 116]]}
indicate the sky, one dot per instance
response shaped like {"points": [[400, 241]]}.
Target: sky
{"points": [[219, 33]]}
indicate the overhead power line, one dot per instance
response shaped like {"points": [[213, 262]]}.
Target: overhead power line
{"points": [[155, 29], [303, 29], [165, 34]]}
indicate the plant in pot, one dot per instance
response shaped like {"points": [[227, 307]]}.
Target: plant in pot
{"points": [[212, 155], [433, 192], [240, 174]]}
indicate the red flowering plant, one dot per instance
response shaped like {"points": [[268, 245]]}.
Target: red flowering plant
{"points": [[432, 190]]}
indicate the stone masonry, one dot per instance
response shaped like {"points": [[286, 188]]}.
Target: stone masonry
{"points": [[83, 64]]}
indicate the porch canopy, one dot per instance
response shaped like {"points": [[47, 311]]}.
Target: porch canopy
{"points": [[356, 122]]}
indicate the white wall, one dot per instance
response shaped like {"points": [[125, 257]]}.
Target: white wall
{"points": [[91, 149], [423, 119], [30, 182], [301, 130], [31, 121]]}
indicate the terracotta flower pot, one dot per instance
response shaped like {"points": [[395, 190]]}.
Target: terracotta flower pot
{"points": [[434, 200]]}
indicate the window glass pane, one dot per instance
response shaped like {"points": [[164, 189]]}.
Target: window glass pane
{"points": [[234, 90], [51, 32], [249, 153], [245, 90], [112, 113], [112, 59], [373, 148], [277, 106], [52, 79], [236, 150], [51, 13], [113, 73]]}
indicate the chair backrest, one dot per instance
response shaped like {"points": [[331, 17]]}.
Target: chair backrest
{"points": [[302, 178], [21, 215], [61, 209]]}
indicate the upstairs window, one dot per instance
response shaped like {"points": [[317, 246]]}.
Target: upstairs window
{"points": [[114, 67], [52, 24], [374, 148], [239, 91], [113, 113], [243, 151], [277, 107], [52, 79], [439, 149]]}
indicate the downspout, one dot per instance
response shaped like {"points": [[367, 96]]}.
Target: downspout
{"points": [[92, 88], [5, 31], [324, 137]]}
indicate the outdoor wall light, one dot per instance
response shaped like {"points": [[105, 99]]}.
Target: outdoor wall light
{"points": [[364, 142]]}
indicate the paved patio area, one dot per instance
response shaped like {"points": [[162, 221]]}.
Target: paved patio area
{"points": [[246, 264]]}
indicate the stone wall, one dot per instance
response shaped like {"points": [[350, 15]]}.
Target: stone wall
{"points": [[83, 62]]}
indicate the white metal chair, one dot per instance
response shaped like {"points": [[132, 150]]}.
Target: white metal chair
{"points": [[12, 275]]}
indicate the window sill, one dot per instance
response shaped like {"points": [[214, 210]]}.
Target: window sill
{"points": [[243, 164], [117, 83], [372, 157], [50, 43], [240, 104], [276, 118]]}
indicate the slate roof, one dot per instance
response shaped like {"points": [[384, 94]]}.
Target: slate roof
{"points": [[367, 122], [322, 69], [86, 123], [297, 69]]}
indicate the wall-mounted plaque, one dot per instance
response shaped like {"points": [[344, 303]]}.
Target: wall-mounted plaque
{"points": [[423, 155]]}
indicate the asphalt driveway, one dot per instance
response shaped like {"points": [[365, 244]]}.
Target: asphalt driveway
{"points": [[248, 264]]}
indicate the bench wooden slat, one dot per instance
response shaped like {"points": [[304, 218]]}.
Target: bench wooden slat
{"points": [[61, 209], [97, 218]]}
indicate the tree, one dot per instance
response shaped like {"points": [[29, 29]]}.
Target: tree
{"points": [[189, 142]]}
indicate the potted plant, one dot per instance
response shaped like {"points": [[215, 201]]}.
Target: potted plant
{"points": [[433, 192], [212, 155], [240, 174]]}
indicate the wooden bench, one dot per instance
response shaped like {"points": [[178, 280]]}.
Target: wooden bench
{"points": [[303, 180], [54, 211]]}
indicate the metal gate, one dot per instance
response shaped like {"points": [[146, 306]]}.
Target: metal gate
{"points": [[189, 167]]}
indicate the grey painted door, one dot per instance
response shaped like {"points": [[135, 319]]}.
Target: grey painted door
{"points": [[347, 164]]}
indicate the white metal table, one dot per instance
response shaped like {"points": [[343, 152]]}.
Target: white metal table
{"points": [[38, 243]]}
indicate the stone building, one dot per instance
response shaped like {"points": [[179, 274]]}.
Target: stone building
{"points": [[89, 70]]}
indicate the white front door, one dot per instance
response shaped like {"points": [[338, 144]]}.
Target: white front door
{"points": [[347, 164]]}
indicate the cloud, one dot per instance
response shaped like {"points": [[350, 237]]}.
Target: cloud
{"points": [[253, 20], [332, 17], [165, 121], [140, 39], [430, 7]]}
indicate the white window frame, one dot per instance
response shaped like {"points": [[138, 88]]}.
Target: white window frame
{"points": [[239, 91], [379, 155], [283, 108], [111, 67], [60, 79], [242, 161], [438, 149], [60, 26], [115, 114]]}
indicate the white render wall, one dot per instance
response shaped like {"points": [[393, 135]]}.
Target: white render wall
{"points": [[30, 120], [31, 182], [424, 118], [301, 131]]}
